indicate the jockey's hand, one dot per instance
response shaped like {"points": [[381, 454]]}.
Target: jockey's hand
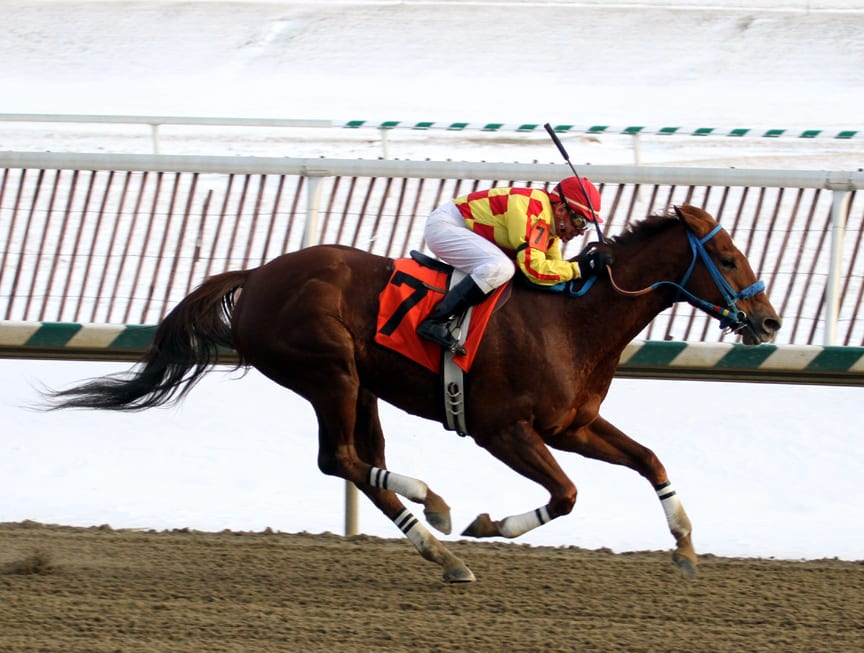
{"points": [[592, 262]]}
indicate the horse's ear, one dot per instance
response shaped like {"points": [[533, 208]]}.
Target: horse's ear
{"points": [[678, 212]]}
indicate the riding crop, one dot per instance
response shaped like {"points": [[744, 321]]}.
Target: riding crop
{"points": [[566, 157]]}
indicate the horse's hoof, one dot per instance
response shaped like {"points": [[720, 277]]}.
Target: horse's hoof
{"points": [[686, 566], [459, 575], [437, 512], [439, 521], [482, 526]]}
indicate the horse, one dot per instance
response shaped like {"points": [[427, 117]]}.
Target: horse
{"points": [[307, 320]]}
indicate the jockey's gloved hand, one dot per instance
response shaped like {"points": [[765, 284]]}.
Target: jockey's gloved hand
{"points": [[592, 262]]}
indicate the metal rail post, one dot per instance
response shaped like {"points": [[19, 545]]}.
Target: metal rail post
{"points": [[313, 202], [839, 211], [154, 132]]}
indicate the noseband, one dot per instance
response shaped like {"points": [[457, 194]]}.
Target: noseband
{"points": [[731, 317]]}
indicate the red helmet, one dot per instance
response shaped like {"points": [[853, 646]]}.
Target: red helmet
{"points": [[574, 190]]}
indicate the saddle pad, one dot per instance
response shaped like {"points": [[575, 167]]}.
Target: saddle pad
{"points": [[409, 296]]}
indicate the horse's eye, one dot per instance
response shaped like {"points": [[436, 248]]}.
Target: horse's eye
{"points": [[728, 263]]}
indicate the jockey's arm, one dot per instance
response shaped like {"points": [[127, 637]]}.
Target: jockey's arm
{"points": [[545, 267]]}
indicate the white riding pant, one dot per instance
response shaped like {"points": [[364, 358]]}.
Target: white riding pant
{"points": [[448, 237]]}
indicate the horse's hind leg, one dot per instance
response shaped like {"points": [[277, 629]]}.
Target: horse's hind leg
{"points": [[602, 441], [348, 429], [369, 442], [435, 509], [348, 419]]}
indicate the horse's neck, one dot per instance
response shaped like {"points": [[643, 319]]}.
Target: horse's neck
{"points": [[620, 318], [637, 266]]}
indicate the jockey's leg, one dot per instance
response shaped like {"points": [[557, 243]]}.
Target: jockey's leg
{"points": [[601, 440], [436, 325], [487, 267], [522, 448]]}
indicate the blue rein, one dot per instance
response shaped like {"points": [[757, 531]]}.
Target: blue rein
{"points": [[731, 317]]}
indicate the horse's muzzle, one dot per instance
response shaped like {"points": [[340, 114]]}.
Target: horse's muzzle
{"points": [[761, 328]]}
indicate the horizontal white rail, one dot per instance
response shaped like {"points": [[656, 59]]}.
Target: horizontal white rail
{"points": [[805, 242], [431, 125], [807, 364], [824, 179]]}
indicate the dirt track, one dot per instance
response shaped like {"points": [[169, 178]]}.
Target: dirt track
{"points": [[66, 589]]}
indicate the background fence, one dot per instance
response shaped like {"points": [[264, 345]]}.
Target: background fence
{"points": [[803, 364], [381, 128], [121, 238]]}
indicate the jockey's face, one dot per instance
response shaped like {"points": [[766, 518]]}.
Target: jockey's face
{"points": [[566, 226]]}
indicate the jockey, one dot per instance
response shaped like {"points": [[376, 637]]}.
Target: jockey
{"points": [[488, 233]]}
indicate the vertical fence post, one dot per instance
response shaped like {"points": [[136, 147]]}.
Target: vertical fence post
{"points": [[154, 134], [839, 210], [313, 204], [637, 149], [351, 521], [385, 144]]}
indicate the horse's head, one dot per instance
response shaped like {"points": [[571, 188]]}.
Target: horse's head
{"points": [[722, 281]]}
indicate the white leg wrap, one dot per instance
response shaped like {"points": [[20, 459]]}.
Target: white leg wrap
{"points": [[515, 525], [675, 515], [416, 532], [408, 487]]}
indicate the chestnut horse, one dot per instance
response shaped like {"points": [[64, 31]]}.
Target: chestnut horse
{"points": [[307, 320]]}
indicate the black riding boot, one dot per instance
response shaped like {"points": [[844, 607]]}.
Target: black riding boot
{"points": [[435, 327]]}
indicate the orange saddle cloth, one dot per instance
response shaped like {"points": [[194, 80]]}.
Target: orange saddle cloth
{"points": [[409, 296]]}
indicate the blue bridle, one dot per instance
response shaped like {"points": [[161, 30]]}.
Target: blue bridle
{"points": [[731, 317]]}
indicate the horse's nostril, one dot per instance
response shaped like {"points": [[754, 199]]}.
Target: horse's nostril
{"points": [[772, 324]]}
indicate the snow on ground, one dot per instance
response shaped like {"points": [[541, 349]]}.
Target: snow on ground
{"points": [[764, 470]]}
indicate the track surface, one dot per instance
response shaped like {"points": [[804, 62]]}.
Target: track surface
{"points": [[71, 589]]}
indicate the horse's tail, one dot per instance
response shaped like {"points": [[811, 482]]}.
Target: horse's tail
{"points": [[186, 345]]}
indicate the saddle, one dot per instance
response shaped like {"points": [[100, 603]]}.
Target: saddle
{"points": [[415, 286]]}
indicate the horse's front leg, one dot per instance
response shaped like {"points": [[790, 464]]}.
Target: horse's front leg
{"points": [[521, 448], [601, 440]]}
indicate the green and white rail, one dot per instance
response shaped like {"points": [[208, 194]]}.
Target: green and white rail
{"points": [[155, 122], [807, 364]]}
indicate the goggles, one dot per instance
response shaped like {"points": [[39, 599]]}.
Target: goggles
{"points": [[579, 220]]}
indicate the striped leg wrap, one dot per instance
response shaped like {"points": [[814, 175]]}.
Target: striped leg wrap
{"points": [[675, 515], [412, 528], [665, 491], [408, 487], [515, 525]]}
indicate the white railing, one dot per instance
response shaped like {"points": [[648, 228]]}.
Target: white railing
{"points": [[734, 195], [383, 127]]}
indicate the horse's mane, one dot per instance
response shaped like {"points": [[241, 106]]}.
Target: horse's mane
{"points": [[645, 228]]}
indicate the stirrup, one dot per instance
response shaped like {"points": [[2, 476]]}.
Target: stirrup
{"points": [[429, 331]]}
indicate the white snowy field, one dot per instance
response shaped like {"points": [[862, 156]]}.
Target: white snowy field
{"points": [[763, 470], [765, 64]]}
